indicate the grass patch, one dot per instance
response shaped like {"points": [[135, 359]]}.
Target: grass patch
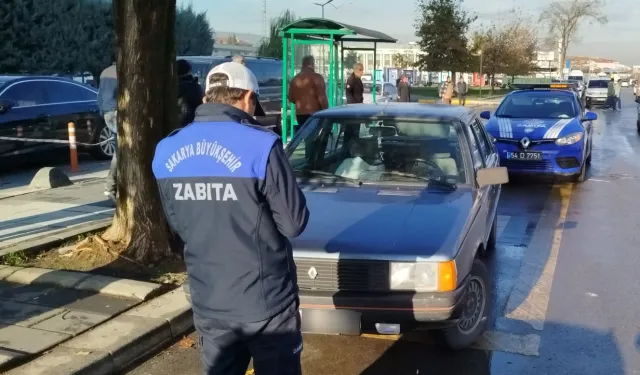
{"points": [[16, 259], [432, 92]]}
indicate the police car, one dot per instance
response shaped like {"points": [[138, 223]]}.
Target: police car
{"points": [[543, 129]]}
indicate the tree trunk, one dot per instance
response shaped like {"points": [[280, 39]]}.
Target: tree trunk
{"points": [[146, 112]]}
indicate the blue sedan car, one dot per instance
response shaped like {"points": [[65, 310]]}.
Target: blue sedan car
{"points": [[543, 130]]}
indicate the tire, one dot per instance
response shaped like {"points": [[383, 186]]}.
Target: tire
{"points": [[588, 161], [104, 151], [638, 125], [582, 176], [493, 238], [588, 104], [469, 328]]}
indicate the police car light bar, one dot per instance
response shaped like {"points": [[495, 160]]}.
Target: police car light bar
{"points": [[554, 85]]}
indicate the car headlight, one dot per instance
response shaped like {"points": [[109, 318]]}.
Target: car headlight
{"points": [[570, 139], [423, 276]]}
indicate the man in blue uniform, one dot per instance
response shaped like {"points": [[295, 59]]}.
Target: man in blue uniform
{"points": [[229, 192]]}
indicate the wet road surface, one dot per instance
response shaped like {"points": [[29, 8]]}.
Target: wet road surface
{"points": [[565, 277]]}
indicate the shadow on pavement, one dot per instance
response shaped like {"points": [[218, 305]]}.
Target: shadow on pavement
{"points": [[565, 349]]}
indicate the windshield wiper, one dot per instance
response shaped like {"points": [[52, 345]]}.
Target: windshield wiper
{"points": [[311, 172], [432, 181]]}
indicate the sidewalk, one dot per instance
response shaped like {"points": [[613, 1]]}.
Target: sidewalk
{"points": [[48, 215]]}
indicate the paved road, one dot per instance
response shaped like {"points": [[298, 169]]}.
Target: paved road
{"points": [[565, 284]]}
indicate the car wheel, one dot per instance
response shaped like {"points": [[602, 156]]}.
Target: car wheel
{"points": [[493, 238], [588, 161], [638, 125], [588, 105], [103, 150], [473, 319], [582, 176]]}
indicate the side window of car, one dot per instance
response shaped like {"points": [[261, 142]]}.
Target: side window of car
{"points": [[483, 141], [258, 69], [336, 140], [26, 94], [62, 92], [478, 160]]}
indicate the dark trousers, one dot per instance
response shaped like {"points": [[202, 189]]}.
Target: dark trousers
{"points": [[462, 100], [274, 344], [110, 182], [301, 119]]}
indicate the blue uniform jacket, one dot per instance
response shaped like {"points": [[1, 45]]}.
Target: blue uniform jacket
{"points": [[229, 192]]}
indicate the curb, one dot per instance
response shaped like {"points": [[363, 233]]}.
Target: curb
{"points": [[117, 344], [114, 286], [38, 244]]}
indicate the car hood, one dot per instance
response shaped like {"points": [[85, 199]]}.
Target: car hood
{"points": [[369, 223], [501, 127]]}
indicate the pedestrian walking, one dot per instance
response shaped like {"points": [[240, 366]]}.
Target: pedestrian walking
{"points": [[189, 93], [446, 91], [404, 91], [616, 89], [611, 95], [308, 91], [354, 91], [229, 171], [462, 90], [108, 105]]}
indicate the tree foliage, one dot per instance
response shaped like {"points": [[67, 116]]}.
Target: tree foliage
{"points": [[74, 36], [194, 36], [508, 48], [271, 46], [442, 27], [350, 59], [564, 18], [401, 61]]}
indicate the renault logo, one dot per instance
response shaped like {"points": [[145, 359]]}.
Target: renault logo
{"points": [[525, 142], [312, 273]]}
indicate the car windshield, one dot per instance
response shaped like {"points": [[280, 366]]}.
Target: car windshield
{"points": [[543, 104], [598, 84], [378, 151], [575, 78]]}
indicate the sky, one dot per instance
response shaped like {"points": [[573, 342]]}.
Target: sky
{"points": [[619, 39]]}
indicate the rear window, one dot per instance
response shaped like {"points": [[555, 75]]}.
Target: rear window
{"points": [[598, 84], [542, 104]]}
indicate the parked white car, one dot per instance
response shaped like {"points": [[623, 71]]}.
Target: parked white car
{"points": [[385, 92], [596, 91]]}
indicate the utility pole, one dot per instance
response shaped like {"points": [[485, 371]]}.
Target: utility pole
{"points": [[264, 18], [322, 5]]}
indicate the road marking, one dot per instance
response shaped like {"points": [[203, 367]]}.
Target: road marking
{"points": [[529, 298], [528, 345]]}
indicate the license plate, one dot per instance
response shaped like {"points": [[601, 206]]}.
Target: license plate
{"points": [[331, 322], [524, 155]]}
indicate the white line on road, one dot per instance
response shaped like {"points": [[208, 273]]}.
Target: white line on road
{"points": [[529, 299]]}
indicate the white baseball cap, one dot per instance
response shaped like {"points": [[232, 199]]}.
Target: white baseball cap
{"points": [[238, 76]]}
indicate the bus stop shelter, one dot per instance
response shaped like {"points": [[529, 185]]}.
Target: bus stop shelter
{"points": [[334, 35]]}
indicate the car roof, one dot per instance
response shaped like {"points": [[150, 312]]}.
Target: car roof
{"points": [[399, 110], [547, 91]]}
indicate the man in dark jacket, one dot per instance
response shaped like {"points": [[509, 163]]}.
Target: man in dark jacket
{"points": [[228, 190], [189, 93], [355, 88], [404, 90], [108, 104]]}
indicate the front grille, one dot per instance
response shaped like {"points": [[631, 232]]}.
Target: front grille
{"points": [[542, 165], [567, 162], [343, 275]]}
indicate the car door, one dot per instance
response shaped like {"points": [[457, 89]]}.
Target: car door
{"points": [[29, 117], [72, 102], [489, 155]]}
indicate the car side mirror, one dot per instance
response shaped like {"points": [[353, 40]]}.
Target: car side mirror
{"points": [[485, 115], [590, 116], [6, 105], [492, 176]]}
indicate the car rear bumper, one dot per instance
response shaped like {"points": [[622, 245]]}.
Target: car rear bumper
{"points": [[596, 99], [354, 312]]}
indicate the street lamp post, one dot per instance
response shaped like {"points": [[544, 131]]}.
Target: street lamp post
{"points": [[322, 5], [481, 75]]}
